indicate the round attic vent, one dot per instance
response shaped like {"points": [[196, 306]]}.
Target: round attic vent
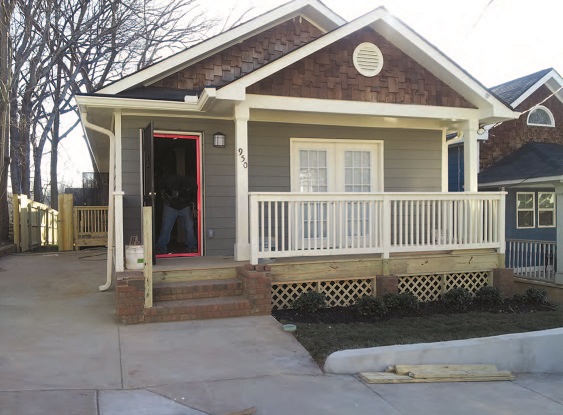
{"points": [[368, 59]]}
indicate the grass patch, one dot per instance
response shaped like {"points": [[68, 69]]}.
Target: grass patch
{"points": [[322, 339]]}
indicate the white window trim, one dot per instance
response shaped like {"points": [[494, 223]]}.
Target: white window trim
{"points": [[552, 120], [533, 210], [335, 182], [554, 210]]}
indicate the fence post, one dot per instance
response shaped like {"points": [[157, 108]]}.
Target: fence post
{"points": [[65, 226], [17, 222], [147, 247]]}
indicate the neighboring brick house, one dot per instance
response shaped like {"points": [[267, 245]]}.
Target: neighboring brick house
{"points": [[524, 157], [523, 94]]}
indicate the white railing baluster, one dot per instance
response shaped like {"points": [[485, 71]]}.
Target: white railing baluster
{"points": [[307, 224]]}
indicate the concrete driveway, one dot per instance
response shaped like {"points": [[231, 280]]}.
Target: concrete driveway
{"points": [[62, 353]]}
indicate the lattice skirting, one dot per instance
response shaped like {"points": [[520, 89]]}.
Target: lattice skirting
{"points": [[430, 287], [338, 293]]}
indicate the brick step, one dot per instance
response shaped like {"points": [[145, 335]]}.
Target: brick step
{"points": [[198, 309], [197, 289]]}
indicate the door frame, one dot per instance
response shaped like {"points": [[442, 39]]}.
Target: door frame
{"points": [[198, 137]]}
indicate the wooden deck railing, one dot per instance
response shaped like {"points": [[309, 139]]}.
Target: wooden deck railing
{"points": [[532, 259], [90, 226], [35, 224], [313, 224]]}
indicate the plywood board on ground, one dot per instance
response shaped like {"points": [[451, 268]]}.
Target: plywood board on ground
{"points": [[386, 377], [406, 369], [436, 373]]}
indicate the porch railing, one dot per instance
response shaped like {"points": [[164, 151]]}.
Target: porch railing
{"points": [[532, 259], [90, 225], [313, 224]]}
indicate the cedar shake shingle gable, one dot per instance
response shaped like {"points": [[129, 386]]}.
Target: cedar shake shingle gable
{"points": [[241, 59], [330, 74]]}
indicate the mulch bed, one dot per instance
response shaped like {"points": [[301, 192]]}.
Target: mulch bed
{"points": [[350, 315]]}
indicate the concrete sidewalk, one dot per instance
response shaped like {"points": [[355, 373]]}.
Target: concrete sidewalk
{"points": [[62, 353]]}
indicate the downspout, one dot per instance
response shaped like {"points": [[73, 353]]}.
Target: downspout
{"points": [[111, 213]]}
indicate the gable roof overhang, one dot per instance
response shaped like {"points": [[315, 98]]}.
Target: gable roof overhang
{"points": [[312, 10], [491, 109], [548, 77], [552, 80], [99, 109]]}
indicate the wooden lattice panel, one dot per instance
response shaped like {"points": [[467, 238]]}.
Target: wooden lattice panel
{"points": [[425, 287], [345, 292], [283, 295], [471, 281], [338, 293]]}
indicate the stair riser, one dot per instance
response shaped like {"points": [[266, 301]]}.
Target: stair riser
{"points": [[197, 316], [179, 295], [198, 312]]}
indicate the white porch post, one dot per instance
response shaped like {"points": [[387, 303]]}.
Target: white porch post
{"points": [[445, 161], [559, 222], [242, 245], [118, 196], [470, 151]]}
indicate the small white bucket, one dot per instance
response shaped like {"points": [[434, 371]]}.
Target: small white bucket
{"points": [[134, 257]]}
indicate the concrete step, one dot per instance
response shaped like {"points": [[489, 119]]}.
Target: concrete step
{"points": [[198, 309], [197, 289]]}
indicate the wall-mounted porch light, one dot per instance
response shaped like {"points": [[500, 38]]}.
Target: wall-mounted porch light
{"points": [[219, 140]]}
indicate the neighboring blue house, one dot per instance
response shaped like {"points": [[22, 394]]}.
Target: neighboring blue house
{"points": [[524, 157]]}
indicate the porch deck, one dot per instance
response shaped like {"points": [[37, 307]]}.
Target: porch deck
{"points": [[331, 267]]}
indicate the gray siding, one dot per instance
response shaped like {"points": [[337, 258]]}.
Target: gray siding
{"points": [[412, 160], [218, 181]]}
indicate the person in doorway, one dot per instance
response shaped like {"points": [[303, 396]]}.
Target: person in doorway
{"points": [[179, 194]]}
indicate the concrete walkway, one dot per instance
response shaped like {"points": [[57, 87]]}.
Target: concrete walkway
{"points": [[62, 353]]}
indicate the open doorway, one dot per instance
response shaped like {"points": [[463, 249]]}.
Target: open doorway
{"points": [[177, 168]]}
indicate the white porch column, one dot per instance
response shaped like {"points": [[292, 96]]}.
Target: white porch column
{"points": [[559, 222], [118, 196], [242, 245], [445, 161], [470, 154]]}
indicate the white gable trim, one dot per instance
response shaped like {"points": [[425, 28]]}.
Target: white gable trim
{"points": [[313, 10], [552, 80], [405, 39]]}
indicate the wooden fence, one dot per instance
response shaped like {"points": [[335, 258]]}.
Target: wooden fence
{"points": [[35, 224]]}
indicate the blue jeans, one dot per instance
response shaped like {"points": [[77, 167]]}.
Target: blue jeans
{"points": [[169, 216]]}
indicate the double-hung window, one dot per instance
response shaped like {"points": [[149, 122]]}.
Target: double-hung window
{"points": [[525, 210], [546, 209]]}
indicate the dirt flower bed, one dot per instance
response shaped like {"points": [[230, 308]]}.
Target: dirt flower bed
{"points": [[350, 314]]}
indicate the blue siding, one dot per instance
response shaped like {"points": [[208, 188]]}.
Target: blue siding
{"points": [[455, 168], [538, 234]]}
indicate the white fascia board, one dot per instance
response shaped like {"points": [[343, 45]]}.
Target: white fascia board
{"points": [[298, 54], [523, 182], [442, 67], [135, 103], [312, 9], [379, 109], [551, 75]]}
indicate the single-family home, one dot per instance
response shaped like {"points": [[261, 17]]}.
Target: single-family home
{"points": [[320, 155], [524, 157]]}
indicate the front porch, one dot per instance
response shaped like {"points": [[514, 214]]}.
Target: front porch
{"points": [[344, 245]]}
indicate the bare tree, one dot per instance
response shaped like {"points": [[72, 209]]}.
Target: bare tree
{"points": [[63, 47], [6, 10]]}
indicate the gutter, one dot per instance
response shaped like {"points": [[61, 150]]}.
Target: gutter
{"points": [[112, 191]]}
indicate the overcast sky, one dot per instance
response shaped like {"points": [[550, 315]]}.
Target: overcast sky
{"points": [[495, 41]]}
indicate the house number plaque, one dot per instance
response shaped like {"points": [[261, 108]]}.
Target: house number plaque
{"points": [[242, 158]]}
